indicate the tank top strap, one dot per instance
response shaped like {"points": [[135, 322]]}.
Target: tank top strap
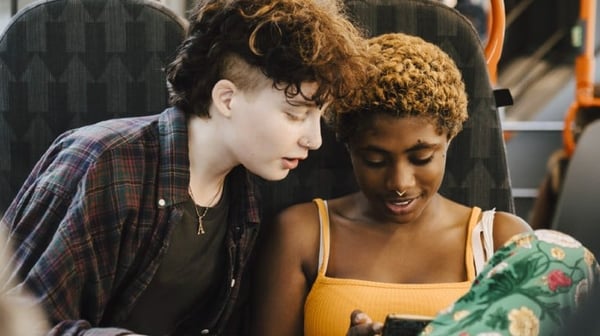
{"points": [[469, 257], [324, 235], [324, 238], [483, 240]]}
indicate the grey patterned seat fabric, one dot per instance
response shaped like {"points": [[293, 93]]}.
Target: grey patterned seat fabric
{"points": [[476, 172], [68, 63]]}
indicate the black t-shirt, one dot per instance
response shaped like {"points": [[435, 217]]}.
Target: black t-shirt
{"points": [[192, 273]]}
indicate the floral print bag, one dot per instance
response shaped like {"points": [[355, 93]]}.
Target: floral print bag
{"points": [[531, 286]]}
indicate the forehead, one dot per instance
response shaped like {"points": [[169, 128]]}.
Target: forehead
{"points": [[394, 133], [383, 125]]}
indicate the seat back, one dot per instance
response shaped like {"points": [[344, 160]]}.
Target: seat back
{"points": [[577, 210], [476, 171], [68, 63]]}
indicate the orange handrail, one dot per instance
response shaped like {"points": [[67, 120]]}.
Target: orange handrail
{"points": [[584, 72], [584, 62], [567, 134], [495, 42]]}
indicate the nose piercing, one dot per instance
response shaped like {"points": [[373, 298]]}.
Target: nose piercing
{"points": [[400, 193]]}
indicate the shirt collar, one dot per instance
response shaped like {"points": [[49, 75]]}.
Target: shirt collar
{"points": [[174, 172]]}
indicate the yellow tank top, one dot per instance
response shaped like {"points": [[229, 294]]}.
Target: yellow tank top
{"points": [[331, 300]]}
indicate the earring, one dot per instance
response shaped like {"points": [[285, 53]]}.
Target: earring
{"points": [[400, 193]]}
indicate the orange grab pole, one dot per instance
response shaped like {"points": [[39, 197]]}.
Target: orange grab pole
{"points": [[584, 63], [584, 73], [567, 135], [495, 43]]}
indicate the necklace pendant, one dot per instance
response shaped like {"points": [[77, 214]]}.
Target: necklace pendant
{"points": [[200, 230], [200, 227]]}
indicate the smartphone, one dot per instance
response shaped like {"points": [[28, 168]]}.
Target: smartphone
{"points": [[404, 325]]}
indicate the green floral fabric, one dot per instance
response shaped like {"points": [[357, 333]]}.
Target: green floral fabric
{"points": [[530, 286]]}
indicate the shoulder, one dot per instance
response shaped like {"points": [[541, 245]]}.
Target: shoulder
{"points": [[112, 133], [298, 222], [506, 225], [82, 153], [89, 142], [92, 140], [295, 232]]}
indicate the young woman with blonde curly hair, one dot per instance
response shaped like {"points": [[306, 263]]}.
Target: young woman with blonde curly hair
{"points": [[396, 245]]}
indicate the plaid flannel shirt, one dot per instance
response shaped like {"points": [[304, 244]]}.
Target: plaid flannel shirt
{"points": [[94, 217]]}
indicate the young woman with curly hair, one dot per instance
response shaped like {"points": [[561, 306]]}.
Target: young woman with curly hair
{"points": [[397, 246], [145, 225]]}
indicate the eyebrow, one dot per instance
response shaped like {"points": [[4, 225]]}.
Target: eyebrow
{"points": [[417, 147], [424, 145]]}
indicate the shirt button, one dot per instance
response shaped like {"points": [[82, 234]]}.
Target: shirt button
{"points": [[204, 332], [162, 202]]}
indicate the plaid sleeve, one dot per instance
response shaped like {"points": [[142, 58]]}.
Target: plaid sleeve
{"points": [[59, 256]]}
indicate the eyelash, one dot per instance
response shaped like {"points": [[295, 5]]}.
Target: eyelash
{"points": [[422, 162], [372, 164], [295, 117], [415, 161]]}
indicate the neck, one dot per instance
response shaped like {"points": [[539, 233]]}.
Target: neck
{"points": [[209, 164]]}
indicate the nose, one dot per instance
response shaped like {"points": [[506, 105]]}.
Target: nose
{"points": [[401, 177], [312, 137]]}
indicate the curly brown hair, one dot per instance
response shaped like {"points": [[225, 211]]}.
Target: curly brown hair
{"points": [[408, 77], [288, 41]]}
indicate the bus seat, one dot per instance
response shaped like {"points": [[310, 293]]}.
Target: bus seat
{"points": [[68, 63], [577, 210], [477, 170]]}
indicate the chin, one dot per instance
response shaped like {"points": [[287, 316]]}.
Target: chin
{"points": [[273, 175]]}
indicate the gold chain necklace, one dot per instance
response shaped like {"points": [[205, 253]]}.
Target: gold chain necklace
{"points": [[200, 217]]}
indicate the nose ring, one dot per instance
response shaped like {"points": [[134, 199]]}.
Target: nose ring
{"points": [[400, 193]]}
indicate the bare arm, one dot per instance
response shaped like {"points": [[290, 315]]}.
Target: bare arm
{"points": [[287, 266], [506, 225]]}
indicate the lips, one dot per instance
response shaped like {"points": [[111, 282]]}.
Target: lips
{"points": [[401, 203], [400, 206], [290, 163]]}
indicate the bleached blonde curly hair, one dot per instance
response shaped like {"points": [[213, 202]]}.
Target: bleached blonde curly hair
{"points": [[408, 77]]}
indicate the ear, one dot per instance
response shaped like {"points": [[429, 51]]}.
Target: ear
{"points": [[222, 94]]}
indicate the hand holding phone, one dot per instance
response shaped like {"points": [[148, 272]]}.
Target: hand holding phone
{"points": [[404, 325]]}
